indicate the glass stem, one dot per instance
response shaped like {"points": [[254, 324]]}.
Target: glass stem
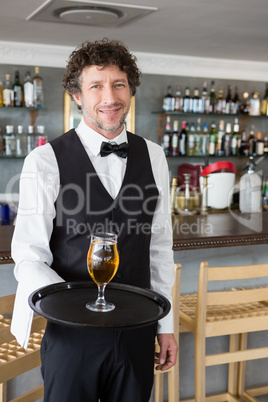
{"points": [[101, 289]]}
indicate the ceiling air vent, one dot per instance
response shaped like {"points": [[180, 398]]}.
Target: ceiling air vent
{"points": [[88, 12]]}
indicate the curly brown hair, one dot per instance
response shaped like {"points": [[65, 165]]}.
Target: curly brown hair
{"points": [[100, 53]]}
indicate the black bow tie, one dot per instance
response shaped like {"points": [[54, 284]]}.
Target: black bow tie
{"points": [[107, 148]]}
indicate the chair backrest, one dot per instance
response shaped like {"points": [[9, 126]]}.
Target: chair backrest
{"points": [[176, 300], [249, 297]]}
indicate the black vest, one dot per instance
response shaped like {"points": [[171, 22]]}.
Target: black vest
{"points": [[83, 205]]}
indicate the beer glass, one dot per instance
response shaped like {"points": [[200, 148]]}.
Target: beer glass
{"points": [[102, 262]]}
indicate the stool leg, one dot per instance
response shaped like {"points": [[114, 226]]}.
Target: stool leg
{"points": [[159, 387], [242, 366], [233, 367], [3, 392], [173, 384], [200, 368]]}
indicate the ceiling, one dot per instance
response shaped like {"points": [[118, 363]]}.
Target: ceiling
{"points": [[230, 29]]}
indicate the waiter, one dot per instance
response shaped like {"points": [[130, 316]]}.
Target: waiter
{"points": [[97, 176]]}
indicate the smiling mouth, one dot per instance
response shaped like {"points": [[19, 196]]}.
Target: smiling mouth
{"points": [[109, 111]]}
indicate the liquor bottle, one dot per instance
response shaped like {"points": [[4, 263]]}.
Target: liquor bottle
{"points": [[38, 95], [265, 145], [31, 139], [168, 100], [264, 102], [21, 142], [245, 104], [183, 139], [198, 138], [259, 145], [178, 105], [173, 195], [252, 142], [187, 101], [204, 99], [28, 90], [1, 93], [8, 95], [41, 137], [196, 101], [220, 139], [212, 98], [191, 141], [236, 139], [166, 139], [244, 148], [17, 90], [9, 141], [212, 140], [250, 197], [220, 105], [255, 104], [229, 101], [1, 143], [227, 140], [205, 140], [175, 140], [236, 102]]}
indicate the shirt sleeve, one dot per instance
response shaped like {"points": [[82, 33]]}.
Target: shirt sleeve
{"points": [[39, 186], [161, 253]]}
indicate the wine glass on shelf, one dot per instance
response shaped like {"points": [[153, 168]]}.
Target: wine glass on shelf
{"points": [[102, 262]]}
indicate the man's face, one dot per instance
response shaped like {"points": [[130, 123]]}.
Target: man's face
{"points": [[104, 99]]}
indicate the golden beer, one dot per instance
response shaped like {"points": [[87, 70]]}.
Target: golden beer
{"points": [[102, 261]]}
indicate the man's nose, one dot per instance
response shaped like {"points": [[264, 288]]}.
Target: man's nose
{"points": [[108, 95]]}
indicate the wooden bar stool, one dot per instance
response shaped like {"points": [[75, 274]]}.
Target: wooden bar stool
{"points": [[15, 360], [233, 312], [173, 372]]}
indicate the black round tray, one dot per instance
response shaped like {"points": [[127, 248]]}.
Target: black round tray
{"points": [[65, 303]]}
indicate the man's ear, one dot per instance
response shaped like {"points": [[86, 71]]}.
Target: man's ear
{"points": [[77, 99]]}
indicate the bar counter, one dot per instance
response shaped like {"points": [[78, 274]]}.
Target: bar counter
{"points": [[193, 232]]}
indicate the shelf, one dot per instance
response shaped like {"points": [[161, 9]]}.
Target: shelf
{"points": [[210, 114], [17, 108], [12, 157]]}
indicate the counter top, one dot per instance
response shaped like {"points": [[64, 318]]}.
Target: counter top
{"points": [[193, 232]]}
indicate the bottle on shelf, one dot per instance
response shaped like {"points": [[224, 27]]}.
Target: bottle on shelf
{"points": [[173, 195], [28, 90], [1, 93], [187, 101], [166, 139], [212, 140], [227, 140], [41, 137], [250, 196], [21, 142], [1, 143], [252, 142], [220, 105], [236, 102], [175, 140], [255, 104], [229, 101], [220, 140], [18, 90], [183, 139], [259, 144], [205, 140], [244, 147], [205, 99], [236, 138], [196, 101], [8, 94], [168, 100], [265, 145], [191, 140], [9, 141], [178, 104], [31, 139], [38, 95], [212, 98], [198, 138], [245, 104], [264, 102]]}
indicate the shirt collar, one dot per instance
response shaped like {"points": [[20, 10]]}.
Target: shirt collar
{"points": [[92, 139]]}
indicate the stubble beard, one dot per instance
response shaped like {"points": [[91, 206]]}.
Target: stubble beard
{"points": [[101, 125]]}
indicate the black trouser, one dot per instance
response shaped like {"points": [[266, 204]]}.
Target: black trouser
{"points": [[87, 365]]}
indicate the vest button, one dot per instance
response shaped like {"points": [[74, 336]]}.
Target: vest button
{"points": [[118, 275], [116, 206]]}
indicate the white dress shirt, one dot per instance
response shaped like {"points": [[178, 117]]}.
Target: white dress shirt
{"points": [[39, 188]]}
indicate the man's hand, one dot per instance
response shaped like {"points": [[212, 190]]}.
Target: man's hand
{"points": [[168, 352]]}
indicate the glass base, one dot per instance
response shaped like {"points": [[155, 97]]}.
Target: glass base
{"points": [[100, 307], [185, 212]]}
